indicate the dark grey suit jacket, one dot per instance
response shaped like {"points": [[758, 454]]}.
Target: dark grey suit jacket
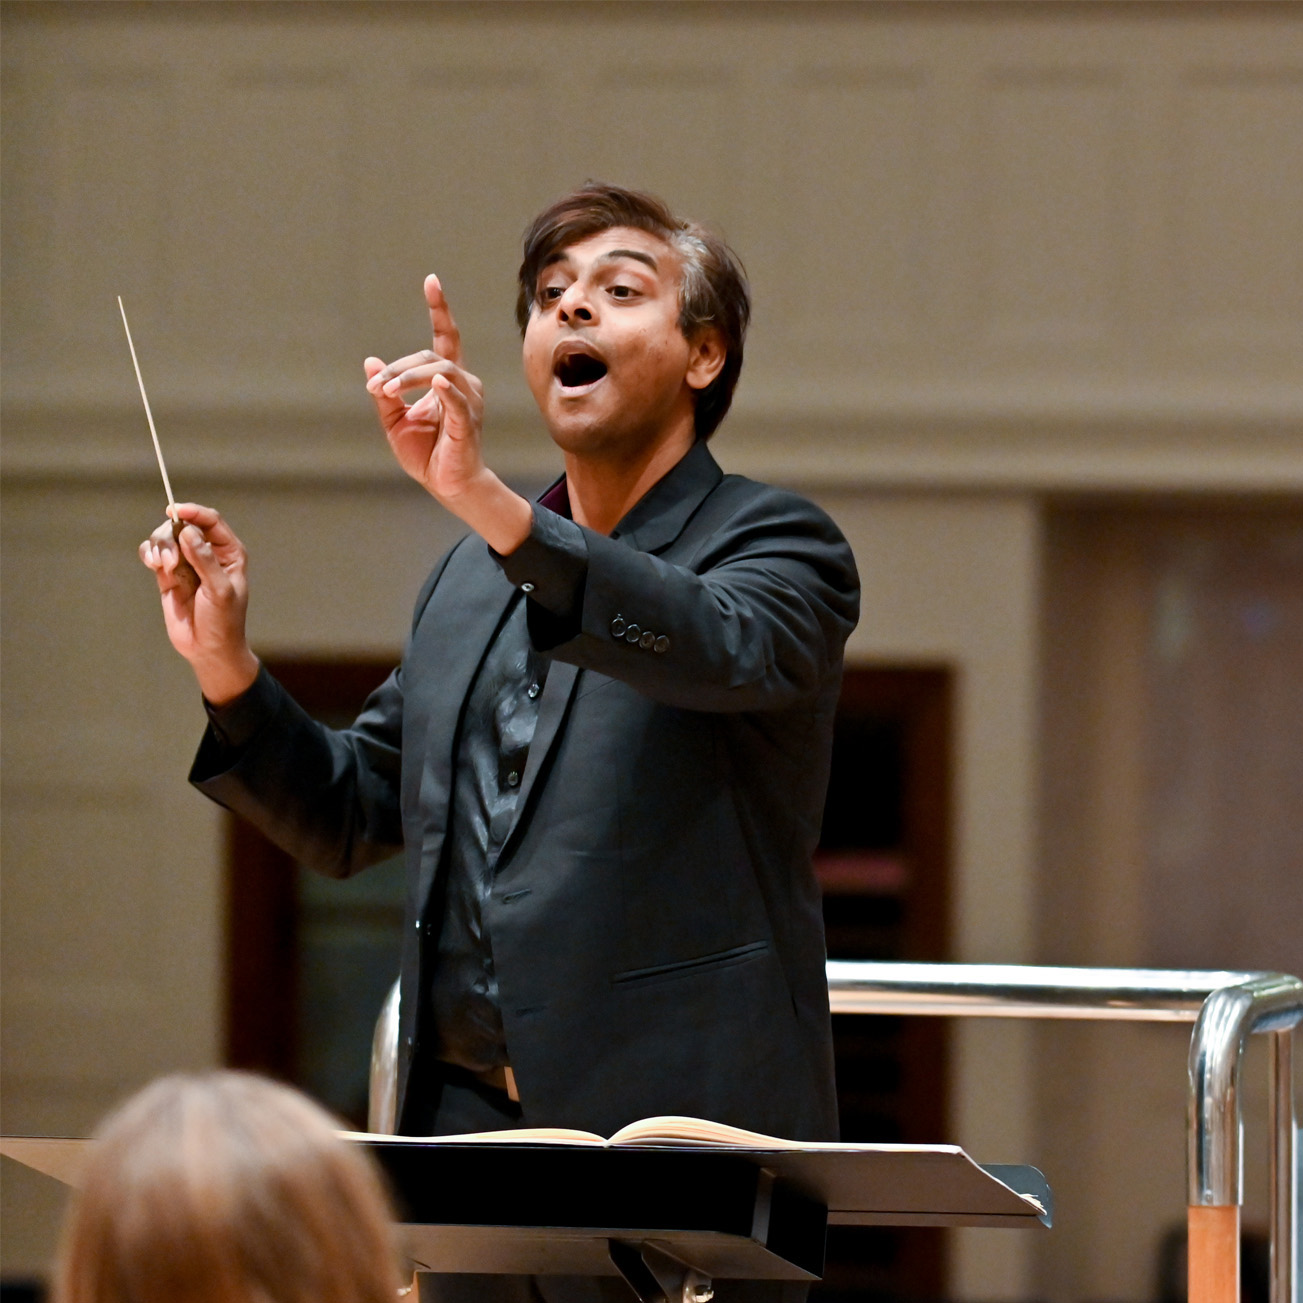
{"points": [[655, 922]]}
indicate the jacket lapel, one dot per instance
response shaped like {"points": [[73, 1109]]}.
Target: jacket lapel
{"points": [[451, 640], [661, 515]]}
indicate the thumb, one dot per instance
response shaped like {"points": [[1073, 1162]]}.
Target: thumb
{"points": [[199, 552]]}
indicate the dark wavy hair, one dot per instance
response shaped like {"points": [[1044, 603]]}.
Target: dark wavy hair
{"points": [[713, 291]]}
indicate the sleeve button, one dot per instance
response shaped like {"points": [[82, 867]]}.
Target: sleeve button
{"points": [[648, 639], [617, 627], [661, 645], [632, 633]]}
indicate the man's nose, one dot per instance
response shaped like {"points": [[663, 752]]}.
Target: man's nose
{"points": [[574, 304]]}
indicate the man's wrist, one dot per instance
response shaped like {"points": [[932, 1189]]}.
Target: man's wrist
{"points": [[221, 681], [499, 515]]}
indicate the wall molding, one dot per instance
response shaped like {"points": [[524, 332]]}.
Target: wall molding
{"points": [[1108, 439]]}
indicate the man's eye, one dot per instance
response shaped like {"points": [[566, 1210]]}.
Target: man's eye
{"points": [[622, 291], [550, 293]]}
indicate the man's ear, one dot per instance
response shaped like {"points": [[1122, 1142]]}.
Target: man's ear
{"points": [[706, 356]]}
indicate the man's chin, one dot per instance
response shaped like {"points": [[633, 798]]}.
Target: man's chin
{"points": [[586, 431], [580, 434]]}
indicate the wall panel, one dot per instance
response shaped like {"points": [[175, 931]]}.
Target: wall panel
{"points": [[112, 205], [857, 184], [1240, 208], [1053, 208], [263, 224]]}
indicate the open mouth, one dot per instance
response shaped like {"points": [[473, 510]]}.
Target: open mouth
{"points": [[575, 370]]}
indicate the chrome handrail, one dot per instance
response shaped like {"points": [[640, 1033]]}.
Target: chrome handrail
{"points": [[1021, 991], [1225, 1006]]}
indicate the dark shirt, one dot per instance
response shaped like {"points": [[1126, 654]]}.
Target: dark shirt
{"points": [[497, 729]]}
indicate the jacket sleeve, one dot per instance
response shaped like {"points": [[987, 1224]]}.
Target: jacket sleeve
{"points": [[328, 797], [755, 620]]}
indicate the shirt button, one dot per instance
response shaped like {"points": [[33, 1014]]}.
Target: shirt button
{"points": [[513, 779], [647, 640], [534, 690], [617, 627], [632, 633], [527, 588], [662, 645]]}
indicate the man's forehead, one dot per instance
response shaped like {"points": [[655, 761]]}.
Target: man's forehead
{"points": [[618, 242]]}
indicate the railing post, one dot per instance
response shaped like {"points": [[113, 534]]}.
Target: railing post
{"points": [[1267, 1002], [1215, 1151], [1284, 1169]]}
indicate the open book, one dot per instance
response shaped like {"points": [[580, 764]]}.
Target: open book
{"points": [[669, 1130], [647, 1131]]}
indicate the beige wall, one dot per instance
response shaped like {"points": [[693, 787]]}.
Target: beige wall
{"points": [[998, 252]]}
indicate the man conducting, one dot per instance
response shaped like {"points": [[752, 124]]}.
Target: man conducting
{"points": [[606, 750]]}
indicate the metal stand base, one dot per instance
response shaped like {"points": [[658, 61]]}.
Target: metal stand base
{"points": [[657, 1276]]}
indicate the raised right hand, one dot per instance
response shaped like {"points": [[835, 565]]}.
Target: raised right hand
{"points": [[436, 439], [205, 621]]}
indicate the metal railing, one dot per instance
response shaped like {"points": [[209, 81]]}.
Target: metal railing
{"points": [[1226, 1008]]}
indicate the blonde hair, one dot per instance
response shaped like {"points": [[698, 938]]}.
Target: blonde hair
{"points": [[226, 1188]]}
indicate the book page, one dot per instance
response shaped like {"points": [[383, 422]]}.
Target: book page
{"points": [[521, 1135], [696, 1131], [674, 1130]]}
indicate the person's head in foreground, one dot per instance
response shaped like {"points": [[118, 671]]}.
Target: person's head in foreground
{"points": [[631, 317], [226, 1188]]}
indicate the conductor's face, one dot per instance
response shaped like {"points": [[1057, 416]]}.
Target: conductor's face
{"points": [[604, 355]]}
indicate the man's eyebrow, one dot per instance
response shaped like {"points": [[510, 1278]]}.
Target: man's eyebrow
{"points": [[611, 255]]}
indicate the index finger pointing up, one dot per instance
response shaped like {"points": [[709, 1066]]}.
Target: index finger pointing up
{"points": [[447, 338]]}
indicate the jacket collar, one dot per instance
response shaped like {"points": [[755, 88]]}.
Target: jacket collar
{"points": [[661, 514]]}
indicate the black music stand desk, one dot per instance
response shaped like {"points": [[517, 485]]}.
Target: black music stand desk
{"points": [[668, 1217]]}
